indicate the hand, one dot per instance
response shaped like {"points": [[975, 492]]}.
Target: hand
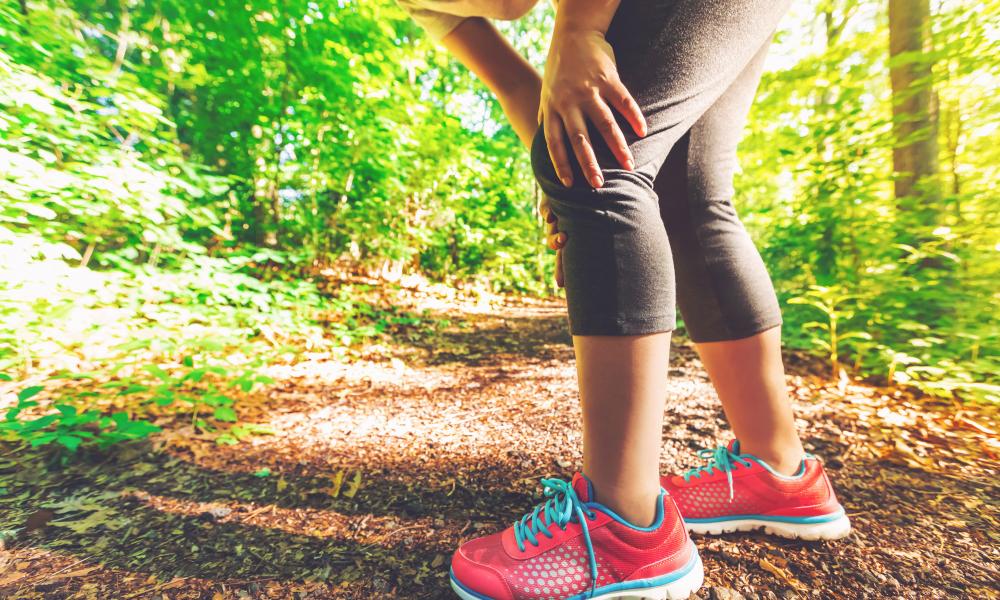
{"points": [[581, 83], [554, 238]]}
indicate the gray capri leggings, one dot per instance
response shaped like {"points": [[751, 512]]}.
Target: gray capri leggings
{"points": [[668, 229]]}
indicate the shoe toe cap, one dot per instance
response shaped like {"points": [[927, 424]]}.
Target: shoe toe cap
{"points": [[476, 565]]}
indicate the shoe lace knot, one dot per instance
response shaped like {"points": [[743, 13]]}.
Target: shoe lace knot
{"points": [[562, 506], [721, 459]]}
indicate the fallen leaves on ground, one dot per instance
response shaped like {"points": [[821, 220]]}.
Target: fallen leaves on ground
{"points": [[382, 462]]}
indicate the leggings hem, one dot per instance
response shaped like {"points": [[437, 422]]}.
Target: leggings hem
{"points": [[736, 334], [624, 327]]}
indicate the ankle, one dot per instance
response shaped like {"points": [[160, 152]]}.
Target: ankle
{"points": [[636, 506], [785, 458]]}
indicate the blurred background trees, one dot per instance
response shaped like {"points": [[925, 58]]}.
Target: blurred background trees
{"points": [[175, 175]]}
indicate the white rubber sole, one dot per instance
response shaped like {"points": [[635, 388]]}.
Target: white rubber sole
{"points": [[825, 530], [679, 589]]}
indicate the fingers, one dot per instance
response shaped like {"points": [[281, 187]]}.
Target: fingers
{"points": [[560, 277], [620, 98], [573, 122], [576, 130], [554, 239], [554, 139], [602, 118], [570, 122], [545, 209]]}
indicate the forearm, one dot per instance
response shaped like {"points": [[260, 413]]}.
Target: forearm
{"points": [[521, 109], [484, 51]]}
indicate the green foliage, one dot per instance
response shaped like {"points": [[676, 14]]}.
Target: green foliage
{"points": [[68, 426], [832, 339], [341, 131], [238, 433], [173, 176], [914, 290]]}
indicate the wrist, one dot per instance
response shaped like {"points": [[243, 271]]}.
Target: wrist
{"points": [[584, 16], [572, 28], [520, 104]]}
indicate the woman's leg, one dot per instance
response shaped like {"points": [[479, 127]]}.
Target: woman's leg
{"points": [[677, 58], [731, 312], [622, 394], [724, 291], [750, 378]]}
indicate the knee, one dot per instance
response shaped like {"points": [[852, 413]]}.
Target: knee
{"points": [[627, 197], [545, 171], [542, 166], [575, 205]]}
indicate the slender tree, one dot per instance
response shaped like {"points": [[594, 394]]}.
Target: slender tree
{"points": [[915, 153]]}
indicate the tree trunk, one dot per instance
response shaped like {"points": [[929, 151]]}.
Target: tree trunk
{"points": [[915, 152], [123, 33]]}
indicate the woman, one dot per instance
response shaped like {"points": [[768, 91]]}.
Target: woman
{"points": [[641, 107]]}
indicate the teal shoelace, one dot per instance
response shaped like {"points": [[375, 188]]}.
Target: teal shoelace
{"points": [[562, 507], [721, 459]]}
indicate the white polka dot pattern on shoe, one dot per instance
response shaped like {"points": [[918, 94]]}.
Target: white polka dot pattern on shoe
{"points": [[558, 573], [712, 500]]}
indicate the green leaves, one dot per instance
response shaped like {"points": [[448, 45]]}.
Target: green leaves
{"points": [[817, 192], [159, 373], [29, 392], [70, 428], [167, 228], [71, 442], [238, 433], [225, 413]]}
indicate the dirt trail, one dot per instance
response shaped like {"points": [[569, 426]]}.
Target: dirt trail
{"points": [[382, 464]]}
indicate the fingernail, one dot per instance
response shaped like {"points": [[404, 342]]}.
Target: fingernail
{"points": [[566, 181], [561, 238], [598, 181], [629, 164]]}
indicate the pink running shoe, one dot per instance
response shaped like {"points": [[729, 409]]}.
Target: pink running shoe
{"points": [[740, 492], [571, 547]]}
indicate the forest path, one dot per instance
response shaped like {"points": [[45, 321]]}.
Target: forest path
{"points": [[382, 463]]}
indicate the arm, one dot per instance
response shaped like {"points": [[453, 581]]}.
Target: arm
{"points": [[478, 45], [581, 83]]}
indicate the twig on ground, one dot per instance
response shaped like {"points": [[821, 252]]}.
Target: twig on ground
{"points": [[965, 561], [165, 585]]}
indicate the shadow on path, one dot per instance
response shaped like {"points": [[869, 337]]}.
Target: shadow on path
{"points": [[450, 456]]}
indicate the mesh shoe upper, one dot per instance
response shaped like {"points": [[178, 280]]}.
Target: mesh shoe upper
{"points": [[751, 488], [558, 567]]}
